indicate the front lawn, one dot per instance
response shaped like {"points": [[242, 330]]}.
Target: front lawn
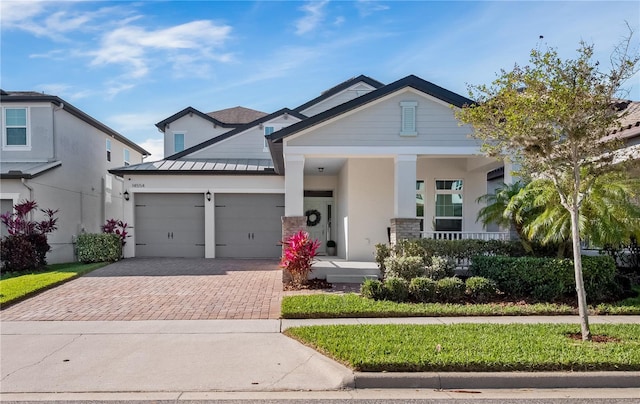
{"points": [[475, 347], [353, 305], [16, 286]]}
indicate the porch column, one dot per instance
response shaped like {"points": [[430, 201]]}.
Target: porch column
{"points": [[293, 220], [404, 224]]}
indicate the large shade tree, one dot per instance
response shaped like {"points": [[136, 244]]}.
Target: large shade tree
{"points": [[552, 116]]}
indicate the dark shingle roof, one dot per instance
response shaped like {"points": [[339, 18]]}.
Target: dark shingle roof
{"points": [[237, 115], [340, 87]]}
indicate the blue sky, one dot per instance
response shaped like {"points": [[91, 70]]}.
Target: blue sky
{"points": [[132, 64]]}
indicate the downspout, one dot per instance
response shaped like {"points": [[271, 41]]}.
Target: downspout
{"points": [[24, 182]]}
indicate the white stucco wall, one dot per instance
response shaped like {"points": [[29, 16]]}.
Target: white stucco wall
{"points": [[342, 213]]}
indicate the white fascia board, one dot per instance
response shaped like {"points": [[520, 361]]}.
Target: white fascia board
{"points": [[381, 151], [351, 88]]}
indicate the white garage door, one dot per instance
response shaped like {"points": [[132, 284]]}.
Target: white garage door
{"points": [[248, 225], [169, 225]]}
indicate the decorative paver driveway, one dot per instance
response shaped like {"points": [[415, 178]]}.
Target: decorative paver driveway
{"points": [[161, 289]]}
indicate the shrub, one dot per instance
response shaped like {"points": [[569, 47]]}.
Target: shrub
{"points": [[450, 290], [372, 289], [481, 289], [98, 247], [18, 253], [383, 251], [422, 289], [298, 256], [440, 267], [118, 227], [548, 279], [396, 289], [18, 223], [404, 267]]}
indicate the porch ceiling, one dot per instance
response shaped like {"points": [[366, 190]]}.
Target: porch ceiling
{"points": [[329, 165]]}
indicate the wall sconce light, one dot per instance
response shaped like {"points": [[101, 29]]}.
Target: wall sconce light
{"points": [[126, 195], [208, 195], [320, 169]]}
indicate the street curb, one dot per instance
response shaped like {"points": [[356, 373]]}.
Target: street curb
{"points": [[496, 380]]}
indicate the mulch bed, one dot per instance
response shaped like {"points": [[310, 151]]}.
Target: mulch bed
{"points": [[312, 284], [594, 338]]}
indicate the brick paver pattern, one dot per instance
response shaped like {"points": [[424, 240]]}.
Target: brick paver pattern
{"points": [[161, 289]]}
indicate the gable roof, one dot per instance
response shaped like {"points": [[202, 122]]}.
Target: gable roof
{"points": [[190, 110], [234, 132], [340, 87], [237, 115], [32, 96], [409, 81]]}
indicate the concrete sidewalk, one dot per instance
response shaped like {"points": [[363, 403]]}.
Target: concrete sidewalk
{"points": [[232, 355]]}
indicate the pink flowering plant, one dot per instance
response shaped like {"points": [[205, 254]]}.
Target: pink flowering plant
{"points": [[298, 256], [114, 226]]}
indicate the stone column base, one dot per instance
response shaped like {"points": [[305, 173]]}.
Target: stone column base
{"points": [[404, 228], [290, 226]]}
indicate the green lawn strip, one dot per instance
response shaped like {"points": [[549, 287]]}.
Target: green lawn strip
{"points": [[474, 347], [17, 286], [352, 305], [630, 305]]}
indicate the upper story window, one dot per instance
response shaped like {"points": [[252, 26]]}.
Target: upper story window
{"points": [[267, 131], [408, 127], [108, 149], [127, 157], [15, 130], [448, 205], [178, 142]]}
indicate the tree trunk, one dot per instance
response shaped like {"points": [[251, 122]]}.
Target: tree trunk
{"points": [[577, 265]]}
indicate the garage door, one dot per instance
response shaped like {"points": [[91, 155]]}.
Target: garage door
{"points": [[169, 225], [248, 225]]}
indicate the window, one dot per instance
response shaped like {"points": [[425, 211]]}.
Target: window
{"points": [[178, 142], [420, 202], [108, 149], [408, 118], [16, 133], [448, 205], [127, 157], [267, 131]]}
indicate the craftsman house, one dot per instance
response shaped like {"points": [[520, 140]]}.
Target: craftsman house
{"points": [[363, 163]]}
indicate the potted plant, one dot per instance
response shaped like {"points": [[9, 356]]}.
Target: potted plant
{"points": [[331, 247]]}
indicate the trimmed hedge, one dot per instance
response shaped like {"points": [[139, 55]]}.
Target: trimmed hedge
{"points": [[548, 279], [406, 267], [99, 247]]}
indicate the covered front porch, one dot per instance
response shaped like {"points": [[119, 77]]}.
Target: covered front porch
{"points": [[358, 201]]}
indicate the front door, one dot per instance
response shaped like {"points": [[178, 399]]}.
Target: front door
{"points": [[319, 212]]}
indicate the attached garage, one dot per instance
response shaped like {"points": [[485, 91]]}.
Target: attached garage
{"points": [[248, 225], [169, 225]]}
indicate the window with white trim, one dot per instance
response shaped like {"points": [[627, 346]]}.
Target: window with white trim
{"points": [[127, 157], [267, 131], [15, 131], [178, 142], [408, 127], [108, 149], [449, 197], [420, 198]]}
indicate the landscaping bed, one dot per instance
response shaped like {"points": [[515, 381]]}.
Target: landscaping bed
{"points": [[475, 347], [15, 286]]}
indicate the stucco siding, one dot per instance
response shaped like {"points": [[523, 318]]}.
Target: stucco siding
{"points": [[349, 94], [342, 214], [195, 129], [39, 127], [378, 124]]}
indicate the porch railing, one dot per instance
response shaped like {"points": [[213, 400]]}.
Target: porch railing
{"points": [[465, 235]]}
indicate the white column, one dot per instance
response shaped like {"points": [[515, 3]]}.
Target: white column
{"points": [[509, 167], [404, 202], [294, 185]]}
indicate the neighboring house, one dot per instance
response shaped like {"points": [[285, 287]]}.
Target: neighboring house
{"points": [[58, 156], [361, 164]]}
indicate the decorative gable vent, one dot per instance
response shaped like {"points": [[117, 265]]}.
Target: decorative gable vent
{"points": [[408, 118]]}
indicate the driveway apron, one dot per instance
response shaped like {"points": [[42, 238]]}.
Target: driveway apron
{"points": [[161, 289]]}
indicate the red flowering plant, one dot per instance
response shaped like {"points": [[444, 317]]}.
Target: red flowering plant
{"points": [[298, 256], [118, 227]]}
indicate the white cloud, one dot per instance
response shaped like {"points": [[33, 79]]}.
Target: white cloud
{"points": [[368, 7], [155, 146], [314, 15]]}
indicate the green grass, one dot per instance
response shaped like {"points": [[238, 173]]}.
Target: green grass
{"points": [[474, 347], [627, 306], [353, 305], [16, 286]]}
